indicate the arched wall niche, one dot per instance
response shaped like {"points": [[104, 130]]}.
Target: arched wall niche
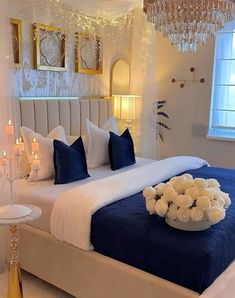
{"points": [[120, 78]]}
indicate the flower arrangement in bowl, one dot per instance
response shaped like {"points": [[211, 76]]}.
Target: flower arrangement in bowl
{"points": [[187, 203]]}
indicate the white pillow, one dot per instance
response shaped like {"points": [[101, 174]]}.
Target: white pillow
{"points": [[97, 142], [46, 150]]}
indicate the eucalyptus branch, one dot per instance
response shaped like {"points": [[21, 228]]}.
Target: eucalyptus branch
{"points": [[163, 125], [163, 114]]}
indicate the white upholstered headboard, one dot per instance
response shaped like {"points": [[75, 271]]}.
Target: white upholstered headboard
{"points": [[42, 115]]}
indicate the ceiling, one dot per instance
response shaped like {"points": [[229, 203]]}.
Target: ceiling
{"points": [[103, 7]]}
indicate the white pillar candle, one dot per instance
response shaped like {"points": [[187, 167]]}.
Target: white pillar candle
{"points": [[21, 143], [36, 163], [9, 129], [17, 149], [35, 146], [31, 157], [4, 159]]}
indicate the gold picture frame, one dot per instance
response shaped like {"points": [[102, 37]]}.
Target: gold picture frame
{"points": [[49, 48], [88, 53], [16, 35]]}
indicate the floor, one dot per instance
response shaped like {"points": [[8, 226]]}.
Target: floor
{"points": [[33, 287]]}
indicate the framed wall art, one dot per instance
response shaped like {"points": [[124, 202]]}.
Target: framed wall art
{"points": [[16, 35], [49, 48], [89, 55]]}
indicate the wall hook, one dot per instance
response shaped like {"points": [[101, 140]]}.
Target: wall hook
{"points": [[193, 80]]}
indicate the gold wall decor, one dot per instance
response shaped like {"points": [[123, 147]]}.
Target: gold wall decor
{"points": [[16, 35], [49, 48], [88, 53]]}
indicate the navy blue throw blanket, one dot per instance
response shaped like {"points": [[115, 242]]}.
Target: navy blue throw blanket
{"points": [[126, 232]]}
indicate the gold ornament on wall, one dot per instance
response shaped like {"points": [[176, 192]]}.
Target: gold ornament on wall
{"points": [[16, 35], [88, 53], [49, 48]]}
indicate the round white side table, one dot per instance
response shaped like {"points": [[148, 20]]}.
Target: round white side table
{"points": [[14, 275]]}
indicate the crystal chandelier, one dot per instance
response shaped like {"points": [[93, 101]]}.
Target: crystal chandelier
{"points": [[188, 23]]}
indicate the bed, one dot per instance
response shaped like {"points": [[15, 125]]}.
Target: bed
{"points": [[103, 272]]}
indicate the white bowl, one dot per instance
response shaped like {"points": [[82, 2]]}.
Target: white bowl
{"points": [[192, 226]]}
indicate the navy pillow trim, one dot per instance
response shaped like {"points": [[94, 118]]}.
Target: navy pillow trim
{"points": [[121, 150], [69, 162]]}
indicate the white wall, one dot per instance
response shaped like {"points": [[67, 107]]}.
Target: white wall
{"points": [[31, 82], [189, 105]]}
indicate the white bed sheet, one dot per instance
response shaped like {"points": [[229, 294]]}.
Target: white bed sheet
{"points": [[44, 193]]}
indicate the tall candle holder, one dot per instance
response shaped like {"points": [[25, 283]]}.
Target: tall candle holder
{"points": [[9, 162]]}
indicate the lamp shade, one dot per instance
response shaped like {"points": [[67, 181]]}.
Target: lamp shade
{"points": [[127, 107]]}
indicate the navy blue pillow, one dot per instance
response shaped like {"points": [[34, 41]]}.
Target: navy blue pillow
{"points": [[69, 162], [121, 150]]}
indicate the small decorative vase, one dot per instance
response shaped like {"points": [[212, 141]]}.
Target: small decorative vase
{"points": [[189, 226]]}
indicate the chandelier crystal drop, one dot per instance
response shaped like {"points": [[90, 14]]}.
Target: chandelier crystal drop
{"points": [[188, 23]]}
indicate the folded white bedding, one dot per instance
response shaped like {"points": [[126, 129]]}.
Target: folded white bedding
{"points": [[72, 212], [44, 193]]}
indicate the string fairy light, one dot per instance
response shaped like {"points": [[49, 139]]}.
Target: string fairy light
{"points": [[118, 29]]}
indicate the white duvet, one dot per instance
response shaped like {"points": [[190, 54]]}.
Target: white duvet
{"points": [[72, 212]]}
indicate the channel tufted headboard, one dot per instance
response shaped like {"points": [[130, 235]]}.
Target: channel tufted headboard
{"points": [[42, 115]]}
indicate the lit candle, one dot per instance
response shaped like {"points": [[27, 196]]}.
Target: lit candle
{"points": [[4, 159], [21, 143], [31, 157], [9, 129], [36, 163], [35, 146], [17, 148]]}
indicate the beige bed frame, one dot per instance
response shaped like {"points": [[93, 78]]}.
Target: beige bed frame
{"points": [[80, 273]]}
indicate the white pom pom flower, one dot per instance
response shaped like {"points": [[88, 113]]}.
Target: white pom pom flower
{"points": [[200, 183], [216, 192], [160, 189], [184, 201], [213, 183], [149, 193], [150, 206], [188, 176], [193, 192], [179, 187], [177, 180], [226, 198], [161, 207], [169, 194], [172, 212], [221, 201], [207, 193], [215, 203], [183, 214], [174, 180], [215, 215], [188, 183], [196, 214], [203, 203]]}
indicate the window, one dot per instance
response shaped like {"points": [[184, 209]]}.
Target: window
{"points": [[222, 112]]}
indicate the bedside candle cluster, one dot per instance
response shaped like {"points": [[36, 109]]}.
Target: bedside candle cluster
{"points": [[7, 162]]}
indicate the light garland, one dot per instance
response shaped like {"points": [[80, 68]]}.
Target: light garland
{"points": [[71, 18], [117, 28]]}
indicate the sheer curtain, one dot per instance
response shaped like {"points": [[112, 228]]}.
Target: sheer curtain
{"points": [[143, 80], [6, 81], [222, 117]]}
